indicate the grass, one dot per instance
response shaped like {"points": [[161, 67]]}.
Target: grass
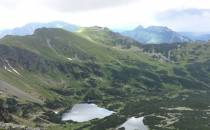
{"points": [[124, 80]]}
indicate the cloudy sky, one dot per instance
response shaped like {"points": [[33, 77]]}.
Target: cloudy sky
{"points": [[180, 15]]}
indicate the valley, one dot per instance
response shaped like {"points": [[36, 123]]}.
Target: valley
{"points": [[43, 75]]}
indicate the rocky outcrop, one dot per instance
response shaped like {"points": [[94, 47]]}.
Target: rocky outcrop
{"points": [[15, 57]]}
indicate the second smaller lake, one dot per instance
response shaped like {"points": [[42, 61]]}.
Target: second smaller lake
{"points": [[134, 124]]}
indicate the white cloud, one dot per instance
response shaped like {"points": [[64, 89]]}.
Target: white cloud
{"points": [[15, 13], [83, 5], [188, 20]]}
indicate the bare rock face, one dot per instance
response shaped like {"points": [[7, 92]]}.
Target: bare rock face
{"points": [[20, 57]]}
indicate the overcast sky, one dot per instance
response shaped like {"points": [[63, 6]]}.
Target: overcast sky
{"points": [[180, 15]]}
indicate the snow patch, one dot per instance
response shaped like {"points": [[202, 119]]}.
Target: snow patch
{"points": [[9, 68], [5, 67], [70, 59], [56, 112]]}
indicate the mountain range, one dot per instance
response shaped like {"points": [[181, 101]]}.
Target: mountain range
{"points": [[149, 35], [197, 36], [29, 29], [155, 35]]}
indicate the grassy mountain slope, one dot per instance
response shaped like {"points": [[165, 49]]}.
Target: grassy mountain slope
{"points": [[61, 68], [107, 37]]}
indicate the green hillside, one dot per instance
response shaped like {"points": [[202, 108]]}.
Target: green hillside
{"points": [[56, 69], [106, 37]]}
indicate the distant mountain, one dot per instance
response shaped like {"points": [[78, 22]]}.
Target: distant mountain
{"points": [[197, 36], [28, 29], [155, 35]]}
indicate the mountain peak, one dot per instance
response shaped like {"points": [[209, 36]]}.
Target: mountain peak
{"points": [[98, 28], [44, 29], [139, 27], [159, 28], [156, 35], [94, 29]]}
